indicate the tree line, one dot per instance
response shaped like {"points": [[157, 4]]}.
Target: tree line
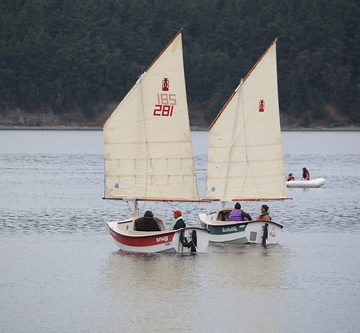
{"points": [[77, 56]]}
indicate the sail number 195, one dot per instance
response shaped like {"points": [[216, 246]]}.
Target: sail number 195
{"points": [[165, 106]]}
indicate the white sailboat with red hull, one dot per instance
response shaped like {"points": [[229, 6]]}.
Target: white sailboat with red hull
{"points": [[187, 240], [245, 160], [148, 155]]}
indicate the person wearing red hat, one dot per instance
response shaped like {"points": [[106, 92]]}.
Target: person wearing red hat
{"points": [[179, 222]]}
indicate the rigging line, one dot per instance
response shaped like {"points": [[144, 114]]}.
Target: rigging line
{"points": [[142, 206], [156, 178], [196, 208], [195, 185], [256, 185], [148, 151], [130, 209], [247, 164], [248, 167], [282, 209], [104, 179], [145, 133], [116, 204], [195, 179], [204, 190], [171, 205], [158, 185], [233, 137], [147, 146]]}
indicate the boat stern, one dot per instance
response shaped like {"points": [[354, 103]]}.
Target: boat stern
{"points": [[256, 231]]}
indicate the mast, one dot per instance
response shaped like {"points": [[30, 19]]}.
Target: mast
{"points": [[136, 208]]}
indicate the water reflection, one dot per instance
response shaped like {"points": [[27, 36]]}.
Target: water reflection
{"points": [[148, 271], [232, 282]]}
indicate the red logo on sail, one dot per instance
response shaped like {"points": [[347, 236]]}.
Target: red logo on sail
{"points": [[165, 84], [261, 105], [165, 101], [165, 105]]}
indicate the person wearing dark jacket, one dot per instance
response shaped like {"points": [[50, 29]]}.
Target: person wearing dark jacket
{"points": [[147, 223], [179, 222]]}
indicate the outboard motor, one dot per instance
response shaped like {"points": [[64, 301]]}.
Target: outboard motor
{"points": [[189, 244], [265, 233], [194, 237]]}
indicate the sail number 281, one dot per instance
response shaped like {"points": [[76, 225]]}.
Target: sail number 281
{"points": [[165, 106]]}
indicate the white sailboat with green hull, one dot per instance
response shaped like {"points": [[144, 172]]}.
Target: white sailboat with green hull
{"points": [[245, 160]]}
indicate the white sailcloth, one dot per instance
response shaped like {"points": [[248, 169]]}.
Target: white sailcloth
{"points": [[148, 152], [245, 158]]}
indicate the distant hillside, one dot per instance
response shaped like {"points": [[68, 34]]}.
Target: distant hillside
{"points": [[69, 62]]}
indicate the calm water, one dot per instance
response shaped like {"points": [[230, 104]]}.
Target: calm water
{"points": [[61, 272]]}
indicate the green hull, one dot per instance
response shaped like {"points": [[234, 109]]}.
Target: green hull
{"points": [[226, 229]]}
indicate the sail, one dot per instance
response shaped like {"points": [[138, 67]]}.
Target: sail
{"points": [[245, 159], [148, 152]]}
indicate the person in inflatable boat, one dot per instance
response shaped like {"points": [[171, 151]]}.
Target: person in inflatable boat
{"points": [[306, 174], [290, 177]]}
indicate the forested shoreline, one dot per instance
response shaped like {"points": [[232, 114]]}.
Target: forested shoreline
{"points": [[70, 62]]}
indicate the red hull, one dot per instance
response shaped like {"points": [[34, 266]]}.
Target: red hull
{"points": [[144, 240]]}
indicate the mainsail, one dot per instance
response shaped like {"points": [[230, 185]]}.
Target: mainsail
{"points": [[245, 160], [148, 152]]}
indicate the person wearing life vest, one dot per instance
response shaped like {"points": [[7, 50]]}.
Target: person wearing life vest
{"points": [[179, 222], [264, 216], [290, 177], [306, 174], [237, 214]]}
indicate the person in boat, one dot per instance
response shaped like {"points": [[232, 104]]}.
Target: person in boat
{"points": [[179, 222], [306, 174], [290, 177], [237, 214], [264, 216], [147, 223]]}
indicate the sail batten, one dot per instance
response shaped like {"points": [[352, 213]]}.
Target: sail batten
{"points": [[245, 159], [148, 152]]}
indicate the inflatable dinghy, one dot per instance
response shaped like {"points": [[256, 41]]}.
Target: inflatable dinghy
{"points": [[316, 182]]}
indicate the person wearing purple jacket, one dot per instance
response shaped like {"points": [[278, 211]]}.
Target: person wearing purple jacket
{"points": [[237, 214]]}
